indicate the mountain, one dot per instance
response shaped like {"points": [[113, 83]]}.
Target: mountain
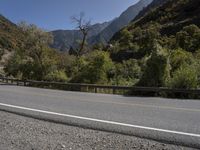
{"points": [[150, 7], [123, 20], [173, 16], [10, 37], [161, 23], [100, 33], [64, 39]]}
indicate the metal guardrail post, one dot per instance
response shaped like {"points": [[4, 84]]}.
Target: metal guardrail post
{"points": [[114, 91], [87, 89], [95, 89]]}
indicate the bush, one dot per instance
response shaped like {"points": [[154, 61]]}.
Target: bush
{"points": [[126, 73], [12, 67], [59, 76], [94, 69], [184, 78], [180, 57]]}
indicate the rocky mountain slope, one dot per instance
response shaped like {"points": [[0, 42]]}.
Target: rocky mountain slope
{"points": [[64, 39], [120, 22], [100, 33]]}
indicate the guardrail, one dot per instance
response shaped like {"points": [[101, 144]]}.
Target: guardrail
{"points": [[98, 88]]}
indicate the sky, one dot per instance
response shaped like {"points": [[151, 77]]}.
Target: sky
{"points": [[56, 14]]}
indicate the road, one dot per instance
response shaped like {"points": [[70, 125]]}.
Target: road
{"points": [[169, 120]]}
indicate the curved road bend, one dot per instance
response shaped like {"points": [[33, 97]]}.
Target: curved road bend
{"points": [[173, 121]]}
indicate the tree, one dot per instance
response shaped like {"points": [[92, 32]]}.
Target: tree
{"points": [[1, 53], [83, 26], [157, 71], [126, 39], [188, 39], [34, 60]]}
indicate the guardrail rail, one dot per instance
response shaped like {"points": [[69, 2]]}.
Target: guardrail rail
{"points": [[99, 88]]}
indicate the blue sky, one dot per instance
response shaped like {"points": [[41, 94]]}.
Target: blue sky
{"points": [[55, 14]]}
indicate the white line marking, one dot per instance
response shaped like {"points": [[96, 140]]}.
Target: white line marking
{"points": [[102, 121]]}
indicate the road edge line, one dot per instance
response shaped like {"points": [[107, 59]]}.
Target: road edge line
{"points": [[110, 126]]}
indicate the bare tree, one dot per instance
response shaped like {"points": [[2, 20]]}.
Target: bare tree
{"points": [[83, 26]]}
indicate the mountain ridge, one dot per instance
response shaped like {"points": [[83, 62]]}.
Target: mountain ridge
{"points": [[127, 16], [67, 38], [64, 39]]}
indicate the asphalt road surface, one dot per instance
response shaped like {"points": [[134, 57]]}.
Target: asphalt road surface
{"points": [[24, 133], [169, 120]]}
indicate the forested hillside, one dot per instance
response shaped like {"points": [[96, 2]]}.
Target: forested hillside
{"points": [[10, 36], [166, 43]]}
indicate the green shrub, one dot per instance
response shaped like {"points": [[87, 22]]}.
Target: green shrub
{"points": [[59, 76], [95, 68], [180, 57], [126, 73], [184, 78]]}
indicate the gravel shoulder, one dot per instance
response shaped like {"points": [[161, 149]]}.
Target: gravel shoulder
{"points": [[23, 133]]}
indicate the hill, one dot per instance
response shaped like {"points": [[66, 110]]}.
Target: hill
{"points": [[165, 43], [10, 37], [162, 23], [174, 15]]}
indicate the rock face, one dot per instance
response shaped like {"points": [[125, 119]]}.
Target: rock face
{"points": [[100, 33]]}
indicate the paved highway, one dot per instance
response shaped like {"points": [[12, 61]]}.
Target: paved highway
{"points": [[169, 120]]}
